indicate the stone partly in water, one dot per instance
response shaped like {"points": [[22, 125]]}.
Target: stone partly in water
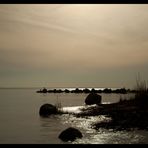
{"points": [[70, 134], [93, 98], [44, 90], [47, 109]]}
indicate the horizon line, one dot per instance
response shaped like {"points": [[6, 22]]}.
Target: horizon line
{"points": [[37, 87]]}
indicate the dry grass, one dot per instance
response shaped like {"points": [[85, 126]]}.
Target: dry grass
{"points": [[58, 105]]}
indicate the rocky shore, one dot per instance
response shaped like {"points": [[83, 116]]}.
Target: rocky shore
{"points": [[125, 114], [87, 91]]}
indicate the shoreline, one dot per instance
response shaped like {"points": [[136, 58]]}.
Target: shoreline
{"points": [[87, 91], [126, 115]]}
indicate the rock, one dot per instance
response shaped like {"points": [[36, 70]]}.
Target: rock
{"points": [[86, 90], [70, 134], [47, 109], [67, 91], [93, 98], [44, 90]]}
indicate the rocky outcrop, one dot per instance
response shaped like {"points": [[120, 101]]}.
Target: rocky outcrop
{"points": [[93, 98], [70, 134], [47, 109]]}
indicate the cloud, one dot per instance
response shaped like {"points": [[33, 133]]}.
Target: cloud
{"points": [[72, 39]]}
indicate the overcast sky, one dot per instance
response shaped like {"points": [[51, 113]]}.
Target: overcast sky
{"points": [[73, 45]]}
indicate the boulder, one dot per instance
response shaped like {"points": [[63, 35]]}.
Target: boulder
{"points": [[70, 134], [93, 98], [44, 90], [47, 109]]}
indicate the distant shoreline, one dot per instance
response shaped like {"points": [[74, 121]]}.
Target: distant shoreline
{"points": [[87, 90], [75, 90]]}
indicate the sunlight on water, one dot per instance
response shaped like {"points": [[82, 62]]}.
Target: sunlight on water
{"points": [[21, 123], [74, 109], [101, 136], [108, 137]]}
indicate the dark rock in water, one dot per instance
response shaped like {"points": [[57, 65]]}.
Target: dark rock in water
{"points": [[106, 90], [67, 91], [93, 90], [77, 90], [47, 109], [39, 91], [70, 134], [93, 98], [86, 90], [44, 90]]}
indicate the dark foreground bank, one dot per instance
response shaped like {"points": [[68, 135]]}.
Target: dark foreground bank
{"points": [[124, 115]]}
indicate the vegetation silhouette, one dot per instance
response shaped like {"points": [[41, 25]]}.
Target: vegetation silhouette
{"points": [[127, 114]]}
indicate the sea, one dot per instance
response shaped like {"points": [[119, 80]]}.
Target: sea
{"points": [[20, 122]]}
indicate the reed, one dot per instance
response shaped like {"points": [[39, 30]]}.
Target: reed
{"points": [[58, 106], [141, 96]]}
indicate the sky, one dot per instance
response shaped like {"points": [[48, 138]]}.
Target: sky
{"points": [[73, 45]]}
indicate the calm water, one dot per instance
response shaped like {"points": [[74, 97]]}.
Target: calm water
{"points": [[20, 122]]}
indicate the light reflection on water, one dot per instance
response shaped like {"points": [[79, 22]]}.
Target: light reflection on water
{"points": [[50, 129], [20, 121], [91, 136], [108, 137], [103, 136]]}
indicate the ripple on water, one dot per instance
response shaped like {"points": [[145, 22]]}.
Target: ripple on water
{"points": [[103, 136]]}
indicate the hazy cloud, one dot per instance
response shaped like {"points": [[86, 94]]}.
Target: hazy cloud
{"points": [[69, 43]]}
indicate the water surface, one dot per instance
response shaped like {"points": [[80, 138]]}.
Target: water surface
{"points": [[20, 122]]}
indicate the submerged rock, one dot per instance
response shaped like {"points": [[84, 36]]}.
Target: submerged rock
{"points": [[93, 98], [70, 134], [47, 109]]}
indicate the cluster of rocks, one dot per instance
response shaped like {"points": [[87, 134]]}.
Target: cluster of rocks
{"points": [[87, 91], [70, 134], [48, 109], [125, 114]]}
